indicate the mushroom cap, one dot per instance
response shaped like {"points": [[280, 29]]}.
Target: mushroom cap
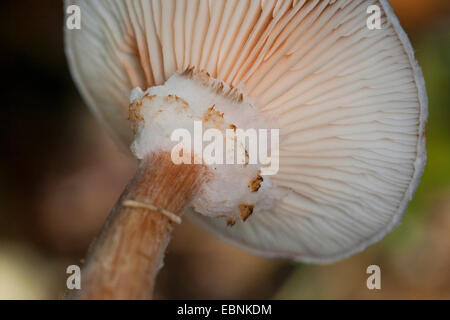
{"points": [[351, 104]]}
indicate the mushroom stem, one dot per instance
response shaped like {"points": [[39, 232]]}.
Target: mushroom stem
{"points": [[125, 259]]}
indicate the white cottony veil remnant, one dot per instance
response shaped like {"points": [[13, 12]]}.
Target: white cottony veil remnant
{"points": [[187, 103]]}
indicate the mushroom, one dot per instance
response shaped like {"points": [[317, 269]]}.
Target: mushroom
{"points": [[350, 104]]}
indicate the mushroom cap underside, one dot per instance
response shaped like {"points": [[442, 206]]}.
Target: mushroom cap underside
{"points": [[350, 102]]}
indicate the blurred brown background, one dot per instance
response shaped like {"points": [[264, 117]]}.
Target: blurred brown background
{"points": [[60, 175]]}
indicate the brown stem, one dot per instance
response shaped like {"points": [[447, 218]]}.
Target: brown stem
{"points": [[125, 259]]}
